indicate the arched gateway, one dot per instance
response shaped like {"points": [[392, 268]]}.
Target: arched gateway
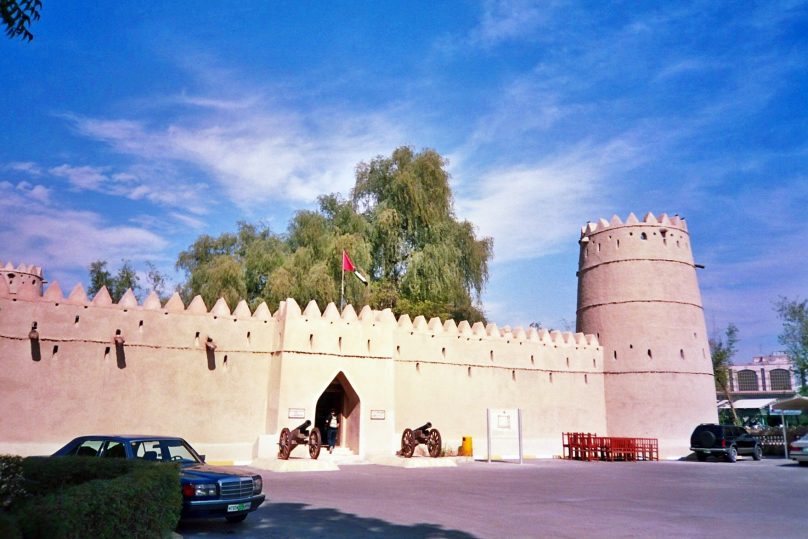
{"points": [[340, 396]]}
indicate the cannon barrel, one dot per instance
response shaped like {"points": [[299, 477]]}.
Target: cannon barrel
{"points": [[303, 426], [427, 425]]}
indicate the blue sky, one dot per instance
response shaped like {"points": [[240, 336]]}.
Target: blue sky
{"points": [[129, 130]]}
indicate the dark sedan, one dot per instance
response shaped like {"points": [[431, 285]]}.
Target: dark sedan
{"points": [[207, 491]]}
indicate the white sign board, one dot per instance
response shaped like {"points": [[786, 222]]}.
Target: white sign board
{"points": [[504, 434]]}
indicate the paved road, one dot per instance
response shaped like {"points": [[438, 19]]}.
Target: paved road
{"points": [[544, 498]]}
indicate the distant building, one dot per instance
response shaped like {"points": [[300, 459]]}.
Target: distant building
{"points": [[770, 376]]}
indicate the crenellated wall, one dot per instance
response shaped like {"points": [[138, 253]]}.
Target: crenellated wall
{"points": [[229, 381]]}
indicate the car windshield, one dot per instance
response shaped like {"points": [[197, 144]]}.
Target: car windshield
{"points": [[165, 451]]}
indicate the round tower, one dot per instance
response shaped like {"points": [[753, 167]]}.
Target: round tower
{"points": [[24, 282], [638, 292]]}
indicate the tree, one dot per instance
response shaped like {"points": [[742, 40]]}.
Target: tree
{"points": [[722, 352], [17, 16], [124, 279], [794, 338], [99, 277], [398, 227], [156, 281], [424, 259]]}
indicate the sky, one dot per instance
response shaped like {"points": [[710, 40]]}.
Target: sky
{"points": [[132, 128]]}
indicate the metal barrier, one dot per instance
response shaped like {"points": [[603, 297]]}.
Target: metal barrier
{"points": [[586, 446]]}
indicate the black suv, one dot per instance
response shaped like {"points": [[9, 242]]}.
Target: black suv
{"points": [[728, 441]]}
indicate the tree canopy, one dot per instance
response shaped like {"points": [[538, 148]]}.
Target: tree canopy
{"points": [[794, 314], [398, 227], [18, 15], [721, 352]]}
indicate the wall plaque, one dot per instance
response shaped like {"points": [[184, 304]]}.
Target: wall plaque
{"points": [[377, 414], [297, 413]]}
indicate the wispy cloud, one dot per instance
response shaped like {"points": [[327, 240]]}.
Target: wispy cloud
{"points": [[531, 210], [42, 234], [257, 154], [503, 20]]}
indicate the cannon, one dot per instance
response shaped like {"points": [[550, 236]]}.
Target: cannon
{"points": [[424, 434], [300, 436]]}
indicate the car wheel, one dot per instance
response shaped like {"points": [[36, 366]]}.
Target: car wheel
{"points": [[803, 463], [757, 453], [701, 457], [732, 454], [236, 518]]}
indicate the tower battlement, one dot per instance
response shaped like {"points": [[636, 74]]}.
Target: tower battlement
{"points": [[24, 281]]}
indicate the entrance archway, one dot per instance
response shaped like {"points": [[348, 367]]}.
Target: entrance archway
{"points": [[340, 396]]}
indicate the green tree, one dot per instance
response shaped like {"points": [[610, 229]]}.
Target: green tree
{"points": [[722, 351], [423, 258], [398, 227], [156, 281], [117, 285], [99, 277], [794, 314], [18, 15], [233, 266]]}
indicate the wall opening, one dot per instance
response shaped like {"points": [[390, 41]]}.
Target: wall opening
{"points": [[341, 397], [650, 355]]}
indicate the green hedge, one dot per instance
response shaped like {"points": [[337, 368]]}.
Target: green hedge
{"points": [[90, 497]]}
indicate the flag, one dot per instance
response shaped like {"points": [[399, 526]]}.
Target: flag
{"points": [[348, 265]]}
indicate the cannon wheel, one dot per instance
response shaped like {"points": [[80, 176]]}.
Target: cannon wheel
{"points": [[407, 443], [434, 443], [314, 443], [284, 445]]}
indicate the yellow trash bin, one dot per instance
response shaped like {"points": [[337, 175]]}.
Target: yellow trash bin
{"points": [[466, 448]]}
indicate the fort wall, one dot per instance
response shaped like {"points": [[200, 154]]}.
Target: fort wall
{"points": [[229, 381]]}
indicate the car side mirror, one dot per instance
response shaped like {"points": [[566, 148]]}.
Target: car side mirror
{"points": [[202, 457]]}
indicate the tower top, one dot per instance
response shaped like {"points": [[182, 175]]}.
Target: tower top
{"points": [[663, 220]]}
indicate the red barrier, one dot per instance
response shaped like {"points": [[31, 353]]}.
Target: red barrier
{"points": [[586, 446]]}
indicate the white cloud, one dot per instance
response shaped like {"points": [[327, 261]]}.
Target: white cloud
{"points": [[67, 239], [256, 155], [82, 178], [530, 211], [28, 167], [39, 193], [504, 20]]}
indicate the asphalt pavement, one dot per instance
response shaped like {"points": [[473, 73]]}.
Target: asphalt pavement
{"points": [[541, 498]]}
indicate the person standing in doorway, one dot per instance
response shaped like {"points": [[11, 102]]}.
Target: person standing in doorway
{"points": [[331, 426]]}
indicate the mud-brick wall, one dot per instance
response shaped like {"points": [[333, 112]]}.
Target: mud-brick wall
{"points": [[450, 375], [74, 379]]}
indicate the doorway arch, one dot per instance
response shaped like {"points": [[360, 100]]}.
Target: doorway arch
{"points": [[340, 395]]}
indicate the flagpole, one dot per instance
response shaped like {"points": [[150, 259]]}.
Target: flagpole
{"points": [[342, 286]]}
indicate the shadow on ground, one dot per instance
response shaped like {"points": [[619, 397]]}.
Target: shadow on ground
{"points": [[297, 520]]}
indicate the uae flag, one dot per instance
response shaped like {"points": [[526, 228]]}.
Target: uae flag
{"points": [[348, 265]]}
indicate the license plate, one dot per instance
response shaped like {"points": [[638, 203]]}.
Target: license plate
{"points": [[233, 507]]}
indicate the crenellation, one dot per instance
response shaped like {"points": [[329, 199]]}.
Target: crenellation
{"points": [[331, 312], [366, 315], [53, 293], [262, 312], [435, 325], [312, 310], [220, 308], [197, 306], [77, 296], [519, 333], [419, 323], [464, 328], [128, 300], [242, 310], [349, 314], [450, 327], [174, 304], [292, 310], [152, 302], [102, 298], [404, 322]]}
